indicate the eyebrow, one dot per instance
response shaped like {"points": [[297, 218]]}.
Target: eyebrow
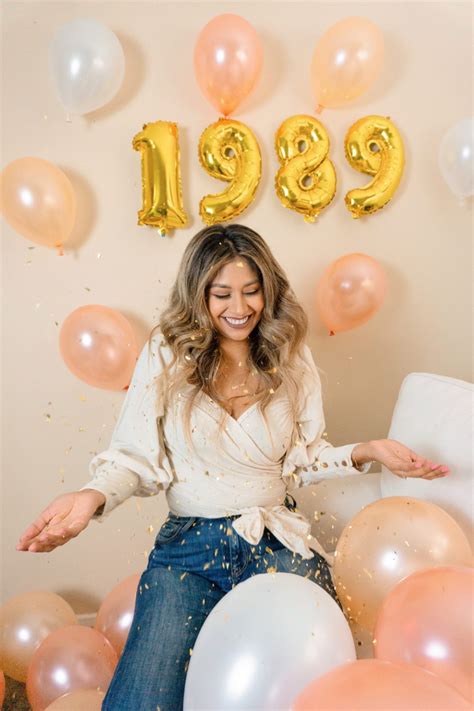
{"points": [[225, 286]]}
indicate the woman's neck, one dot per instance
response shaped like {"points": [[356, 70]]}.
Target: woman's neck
{"points": [[234, 352]]}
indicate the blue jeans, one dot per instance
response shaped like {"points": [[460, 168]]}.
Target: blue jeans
{"points": [[194, 563]]}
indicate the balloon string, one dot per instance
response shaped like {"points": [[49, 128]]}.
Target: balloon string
{"points": [[319, 109], [60, 249]]}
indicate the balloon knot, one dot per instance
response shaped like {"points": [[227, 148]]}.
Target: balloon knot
{"points": [[331, 333]]}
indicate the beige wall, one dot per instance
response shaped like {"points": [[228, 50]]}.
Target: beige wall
{"points": [[53, 423]]}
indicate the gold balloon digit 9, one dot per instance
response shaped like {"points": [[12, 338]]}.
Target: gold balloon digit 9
{"points": [[228, 150], [306, 182], [161, 176], [373, 145]]}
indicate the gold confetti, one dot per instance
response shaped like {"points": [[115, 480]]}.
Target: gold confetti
{"points": [[150, 529], [271, 569], [82, 398]]}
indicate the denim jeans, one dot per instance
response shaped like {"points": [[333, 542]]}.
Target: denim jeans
{"points": [[194, 563]]}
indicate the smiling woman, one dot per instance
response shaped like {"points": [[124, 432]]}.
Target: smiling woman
{"points": [[224, 413]]}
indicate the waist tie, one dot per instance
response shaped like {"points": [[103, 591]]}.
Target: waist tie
{"points": [[290, 527]]}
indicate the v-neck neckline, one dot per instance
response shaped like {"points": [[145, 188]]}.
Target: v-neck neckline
{"points": [[237, 420]]}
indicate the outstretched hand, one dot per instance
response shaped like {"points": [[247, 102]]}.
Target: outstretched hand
{"points": [[62, 520], [404, 462]]}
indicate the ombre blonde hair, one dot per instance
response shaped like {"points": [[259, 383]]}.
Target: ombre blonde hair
{"points": [[186, 324]]}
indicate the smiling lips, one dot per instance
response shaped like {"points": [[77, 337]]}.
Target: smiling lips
{"points": [[236, 322]]}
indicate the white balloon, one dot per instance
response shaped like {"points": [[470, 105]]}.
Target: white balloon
{"points": [[264, 642], [88, 65], [456, 158]]}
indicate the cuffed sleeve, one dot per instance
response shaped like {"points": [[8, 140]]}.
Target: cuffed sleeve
{"points": [[135, 462], [313, 458]]}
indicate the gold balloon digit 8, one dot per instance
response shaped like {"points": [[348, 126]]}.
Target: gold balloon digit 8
{"points": [[228, 150], [373, 145], [306, 182], [161, 176]]}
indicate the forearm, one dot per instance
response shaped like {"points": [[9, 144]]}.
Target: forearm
{"points": [[363, 453]]}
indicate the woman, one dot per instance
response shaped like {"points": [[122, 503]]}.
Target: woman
{"points": [[224, 413]]}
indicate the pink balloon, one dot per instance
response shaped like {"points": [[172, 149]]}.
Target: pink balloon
{"points": [[427, 620], [115, 614], [98, 345], [228, 59], [346, 61], [373, 685], [350, 292], [70, 658], [37, 199]]}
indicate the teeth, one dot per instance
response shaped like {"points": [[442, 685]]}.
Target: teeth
{"points": [[237, 321]]}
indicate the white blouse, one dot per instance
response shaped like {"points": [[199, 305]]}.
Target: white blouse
{"points": [[245, 470]]}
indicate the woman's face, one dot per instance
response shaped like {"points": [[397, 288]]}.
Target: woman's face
{"points": [[235, 300]]}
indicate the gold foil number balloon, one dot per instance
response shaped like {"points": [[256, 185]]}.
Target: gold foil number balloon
{"points": [[161, 177], [306, 182], [228, 150], [373, 145]]}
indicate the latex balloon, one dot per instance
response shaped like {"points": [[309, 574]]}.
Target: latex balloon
{"points": [[267, 653], [69, 659], [386, 541], [228, 59], [306, 181], [82, 700], [115, 614], [25, 621], [87, 65], [373, 146], [351, 290], [228, 150], [161, 176], [427, 620], [99, 346], [373, 685], [346, 61], [455, 158], [38, 201]]}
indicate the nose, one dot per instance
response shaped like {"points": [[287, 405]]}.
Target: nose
{"points": [[238, 306]]}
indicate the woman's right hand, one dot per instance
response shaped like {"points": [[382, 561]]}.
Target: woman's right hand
{"points": [[63, 519]]}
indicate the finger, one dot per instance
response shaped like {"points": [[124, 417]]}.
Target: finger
{"points": [[38, 548], [35, 528]]}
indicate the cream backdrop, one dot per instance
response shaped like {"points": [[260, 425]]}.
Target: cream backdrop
{"points": [[53, 423]]}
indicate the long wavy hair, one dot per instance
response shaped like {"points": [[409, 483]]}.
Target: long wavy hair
{"points": [[186, 324]]}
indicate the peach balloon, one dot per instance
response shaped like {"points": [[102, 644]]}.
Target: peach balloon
{"points": [[25, 621], [2, 688], [83, 700], [350, 292], [228, 59], [373, 685], [98, 345], [70, 659], [115, 614], [427, 620], [386, 541], [38, 201], [346, 61]]}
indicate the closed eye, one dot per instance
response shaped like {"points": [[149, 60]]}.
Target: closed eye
{"points": [[226, 296]]}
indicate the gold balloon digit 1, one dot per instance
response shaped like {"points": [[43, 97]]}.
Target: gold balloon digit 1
{"points": [[161, 177], [373, 146], [306, 181], [228, 150]]}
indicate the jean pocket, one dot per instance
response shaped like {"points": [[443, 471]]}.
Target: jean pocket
{"points": [[173, 526]]}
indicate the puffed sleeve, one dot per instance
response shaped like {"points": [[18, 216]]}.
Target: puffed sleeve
{"points": [[135, 462], [313, 458]]}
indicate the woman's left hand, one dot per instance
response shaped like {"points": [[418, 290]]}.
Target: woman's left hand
{"points": [[404, 462]]}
